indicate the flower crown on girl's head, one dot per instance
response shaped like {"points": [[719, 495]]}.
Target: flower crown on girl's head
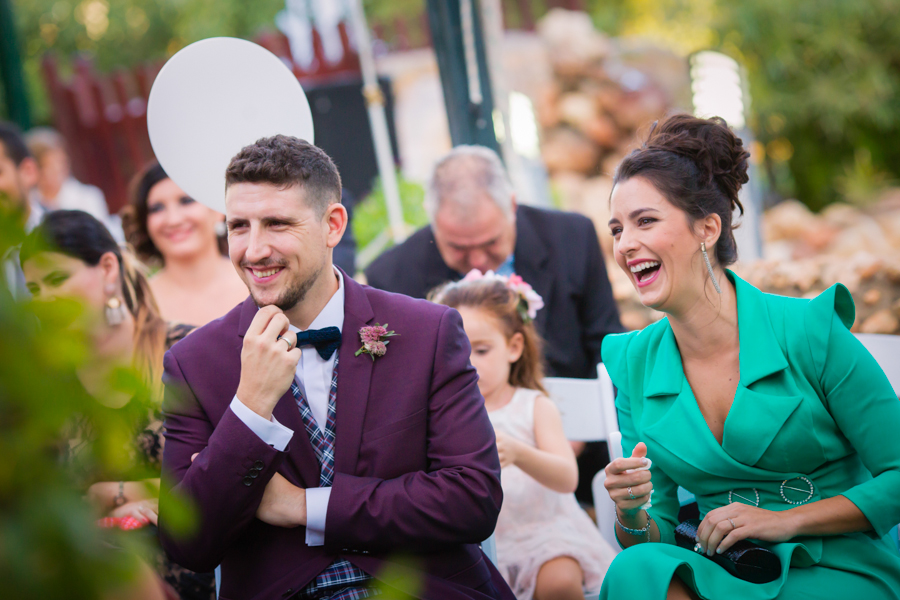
{"points": [[530, 302]]}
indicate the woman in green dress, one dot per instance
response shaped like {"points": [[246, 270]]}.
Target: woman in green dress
{"points": [[766, 408]]}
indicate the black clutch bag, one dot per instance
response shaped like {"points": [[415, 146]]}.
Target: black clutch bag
{"points": [[745, 560]]}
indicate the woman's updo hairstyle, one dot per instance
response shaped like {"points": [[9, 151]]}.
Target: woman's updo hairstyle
{"points": [[699, 165]]}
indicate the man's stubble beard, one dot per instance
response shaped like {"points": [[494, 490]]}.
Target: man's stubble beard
{"points": [[294, 294]]}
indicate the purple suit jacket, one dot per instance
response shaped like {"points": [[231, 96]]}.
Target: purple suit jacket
{"points": [[416, 466]]}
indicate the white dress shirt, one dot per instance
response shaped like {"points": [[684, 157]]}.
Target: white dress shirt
{"points": [[313, 376]]}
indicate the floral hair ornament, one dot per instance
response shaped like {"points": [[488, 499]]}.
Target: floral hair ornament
{"points": [[530, 302], [372, 338]]}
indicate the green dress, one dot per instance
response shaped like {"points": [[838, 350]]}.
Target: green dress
{"points": [[811, 402]]}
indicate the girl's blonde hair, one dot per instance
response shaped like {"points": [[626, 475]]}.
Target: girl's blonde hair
{"points": [[492, 295]]}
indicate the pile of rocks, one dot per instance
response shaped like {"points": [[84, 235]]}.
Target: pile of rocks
{"points": [[804, 253], [602, 98]]}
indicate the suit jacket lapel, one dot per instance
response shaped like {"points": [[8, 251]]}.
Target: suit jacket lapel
{"points": [[762, 405], [531, 258], [354, 378], [302, 468]]}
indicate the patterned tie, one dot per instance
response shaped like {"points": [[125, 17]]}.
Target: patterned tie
{"points": [[341, 580]]}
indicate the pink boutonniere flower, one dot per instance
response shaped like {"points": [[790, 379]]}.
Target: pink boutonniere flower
{"points": [[372, 340]]}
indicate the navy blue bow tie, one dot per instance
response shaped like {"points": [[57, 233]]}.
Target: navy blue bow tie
{"points": [[325, 340]]}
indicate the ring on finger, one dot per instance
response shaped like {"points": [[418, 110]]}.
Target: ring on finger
{"points": [[733, 526], [630, 493], [286, 341]]}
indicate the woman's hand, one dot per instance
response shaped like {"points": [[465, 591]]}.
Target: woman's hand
{"points": [[507, 448], [142, 510], [724, 526], [632, 490]]}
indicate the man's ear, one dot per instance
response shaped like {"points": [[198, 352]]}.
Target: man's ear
{"points": [[336, 220]]}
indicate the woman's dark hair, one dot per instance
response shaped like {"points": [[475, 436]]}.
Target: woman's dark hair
{"points": [[79, 235], [134, 217], [699, 165]]}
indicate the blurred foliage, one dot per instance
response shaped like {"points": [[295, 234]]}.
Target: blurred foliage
{"points": [[119, 33], [370, 216], [49, 544], [824, 80], [824, 74]]}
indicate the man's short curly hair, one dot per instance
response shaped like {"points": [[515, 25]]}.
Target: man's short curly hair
{"points": [[285, 162]]}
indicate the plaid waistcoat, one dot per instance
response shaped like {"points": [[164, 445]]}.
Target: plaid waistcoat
{"points": [[341, 580]]}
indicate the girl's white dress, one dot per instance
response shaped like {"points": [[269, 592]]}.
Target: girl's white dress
{"points": [[537, 524]]}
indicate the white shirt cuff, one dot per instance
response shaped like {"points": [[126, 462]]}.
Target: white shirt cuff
{"points": [[316, 509], [271, 432]]}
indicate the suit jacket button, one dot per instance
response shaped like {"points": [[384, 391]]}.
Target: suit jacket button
{"points": [[248, 481], [259, 465], [253, 474]]}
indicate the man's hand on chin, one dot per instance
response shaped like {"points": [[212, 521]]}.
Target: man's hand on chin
{"points": [[283, 504]]}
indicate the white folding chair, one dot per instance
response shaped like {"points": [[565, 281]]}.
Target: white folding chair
{"points": [[489, 547], [886, 350], [588, 409]]}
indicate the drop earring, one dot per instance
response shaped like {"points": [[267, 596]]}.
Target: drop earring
{"points": [[115, 312], [709, 268]]}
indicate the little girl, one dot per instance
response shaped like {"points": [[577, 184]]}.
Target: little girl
{"points": [[547, 546]]}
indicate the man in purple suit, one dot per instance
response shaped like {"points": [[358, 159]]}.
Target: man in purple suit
{"points": [[316, 462]]}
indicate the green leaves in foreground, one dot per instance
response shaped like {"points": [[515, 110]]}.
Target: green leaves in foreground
{"points": [[50, 546]]}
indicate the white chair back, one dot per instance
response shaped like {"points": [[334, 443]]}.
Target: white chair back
{"points": [[886, 350], [588, 409], [579, 404]]}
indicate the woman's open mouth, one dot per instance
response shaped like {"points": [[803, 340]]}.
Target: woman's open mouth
{"points": [[646, 272]]}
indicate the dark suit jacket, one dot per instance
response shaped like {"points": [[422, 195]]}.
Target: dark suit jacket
{"points": [[416, 466], [558, 253]]}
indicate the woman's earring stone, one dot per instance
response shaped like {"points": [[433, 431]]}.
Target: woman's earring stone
{"points": [[115, 312], [709, 268]]}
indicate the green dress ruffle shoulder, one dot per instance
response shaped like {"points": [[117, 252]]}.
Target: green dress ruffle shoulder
{"points": [[811, 403]]}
